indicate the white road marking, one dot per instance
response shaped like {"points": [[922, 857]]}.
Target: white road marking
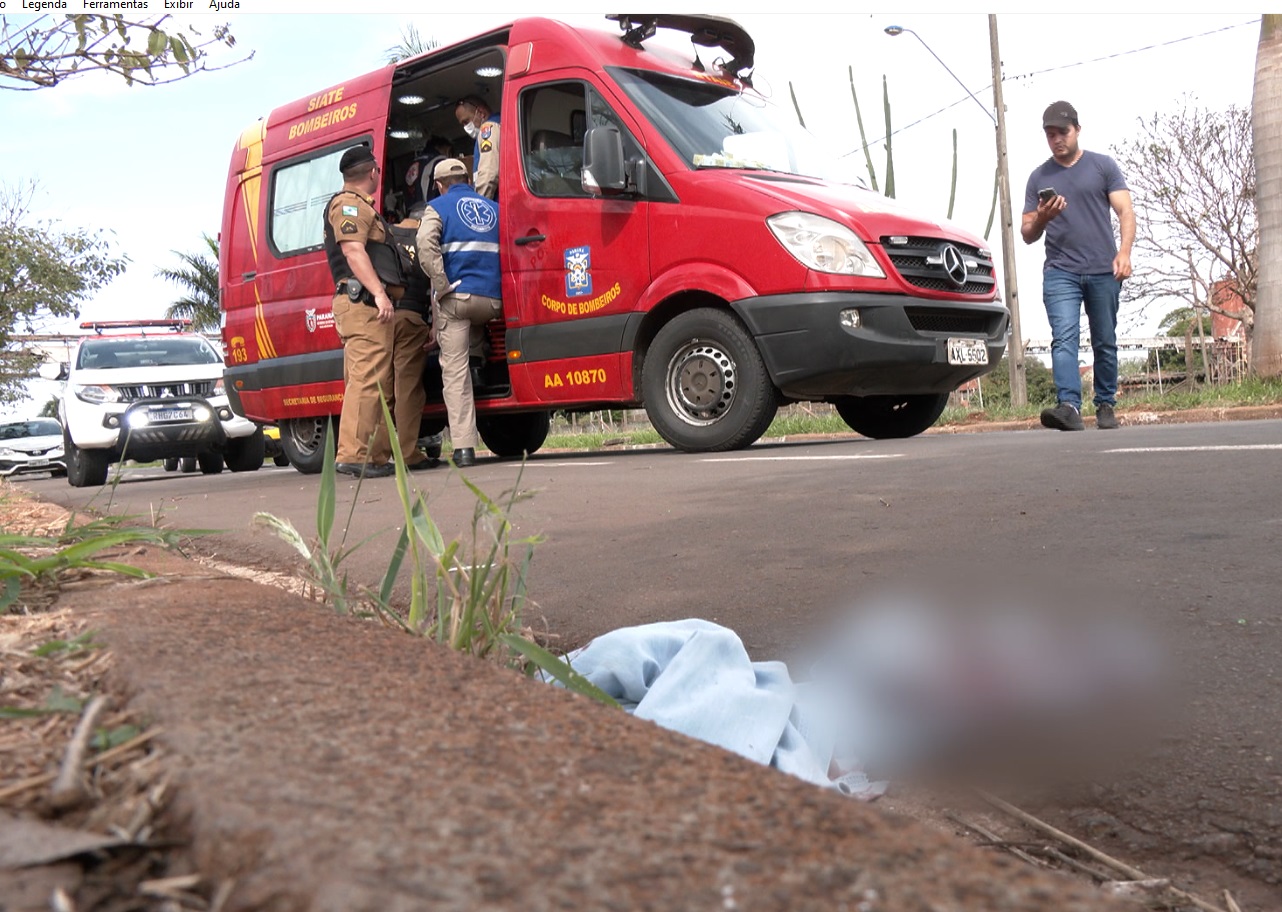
{"points": [[798, 458], [1199, 449], [540, 464]]}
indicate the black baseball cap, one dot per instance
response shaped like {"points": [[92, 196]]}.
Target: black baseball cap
{"points": [[1060, 114]]}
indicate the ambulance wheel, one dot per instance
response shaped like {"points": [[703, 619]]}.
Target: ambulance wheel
{"points": [[303, 440], [705, 385], [513, 436], [187, 464], [891, 417], [170, 464], [85, 468]]}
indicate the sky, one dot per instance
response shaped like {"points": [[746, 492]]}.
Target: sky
{"points": [[149, 165]]}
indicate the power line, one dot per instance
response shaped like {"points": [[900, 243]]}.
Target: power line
{"points": [[1065, 66]]}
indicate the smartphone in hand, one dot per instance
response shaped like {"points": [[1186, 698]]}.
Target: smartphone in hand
{"points": [[1046, 195]]}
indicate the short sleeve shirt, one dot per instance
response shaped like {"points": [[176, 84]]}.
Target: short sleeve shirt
{"points": [[352, 217], [1080, 239]]}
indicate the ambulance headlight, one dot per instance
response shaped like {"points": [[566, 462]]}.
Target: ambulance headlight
{"points": [[823, 245]]}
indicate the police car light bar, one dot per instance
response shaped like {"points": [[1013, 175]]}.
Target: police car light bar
{"points": [[99, 325]]}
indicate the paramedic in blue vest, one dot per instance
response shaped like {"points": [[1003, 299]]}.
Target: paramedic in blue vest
{"points": [[458, 248], [482, 124]]}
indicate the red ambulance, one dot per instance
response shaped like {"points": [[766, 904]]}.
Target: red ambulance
{"points": [[669, 239]]}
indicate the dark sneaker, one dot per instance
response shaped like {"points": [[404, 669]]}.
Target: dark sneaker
{"points": [[464, 457], [427, 462], [1104, 417], [1063, 417], [360, 469]]}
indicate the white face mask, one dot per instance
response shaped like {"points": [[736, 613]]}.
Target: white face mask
{"points": [[471, 129]]}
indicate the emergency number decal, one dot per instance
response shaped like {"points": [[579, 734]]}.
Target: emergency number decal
{"points": [[239, 354]]}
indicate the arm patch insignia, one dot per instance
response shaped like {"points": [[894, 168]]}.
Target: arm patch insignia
{"points": [[347, 227]]}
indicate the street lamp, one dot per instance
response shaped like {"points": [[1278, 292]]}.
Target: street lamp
{"points": [[1015, 352]]}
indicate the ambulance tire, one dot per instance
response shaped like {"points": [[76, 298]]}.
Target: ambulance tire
{"points": [[170, 464], [891, 417], [187, 464], [303, 441], [514, 436], [85, 468], [705, 385], [246, 454]]}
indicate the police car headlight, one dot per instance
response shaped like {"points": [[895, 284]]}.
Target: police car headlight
{"points": [[96, 394], [823, 245], [6, 453]]}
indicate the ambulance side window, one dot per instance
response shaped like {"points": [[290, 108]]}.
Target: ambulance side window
{"points": [[554, 120], [299, 192]]}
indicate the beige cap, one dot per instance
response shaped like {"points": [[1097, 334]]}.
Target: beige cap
{"points": [[450, 167]]}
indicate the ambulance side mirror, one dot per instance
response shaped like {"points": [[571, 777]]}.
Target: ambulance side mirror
{"points": [[603, 166]]}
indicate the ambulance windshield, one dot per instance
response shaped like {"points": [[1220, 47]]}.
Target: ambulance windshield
{"points": [[712, 125]]}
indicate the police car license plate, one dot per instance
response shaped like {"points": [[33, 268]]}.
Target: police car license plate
{"points": [[967, 351], [171, 415], [37, 462]]}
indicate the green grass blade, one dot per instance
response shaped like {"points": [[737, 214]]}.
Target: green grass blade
{"points": [[327, 498], [557, 668]]}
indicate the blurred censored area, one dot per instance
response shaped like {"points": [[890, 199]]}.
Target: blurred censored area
{"points": [[961, 678]]}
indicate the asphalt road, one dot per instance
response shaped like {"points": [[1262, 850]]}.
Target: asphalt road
{"points": [[1178, 524]]}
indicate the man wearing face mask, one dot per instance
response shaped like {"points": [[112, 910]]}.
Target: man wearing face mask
{"points": [[482, 124]]}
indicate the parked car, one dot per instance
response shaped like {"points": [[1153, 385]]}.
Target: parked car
{"points": [[31, 446]]}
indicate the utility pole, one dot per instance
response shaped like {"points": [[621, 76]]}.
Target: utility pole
{"points": [[1015, 350]]}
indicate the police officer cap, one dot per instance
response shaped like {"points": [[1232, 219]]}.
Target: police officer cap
{"points": [[449, 167], [357, 155]]}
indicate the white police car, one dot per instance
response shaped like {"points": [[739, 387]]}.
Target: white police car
{"points": [[147, 390], [30, 446]]}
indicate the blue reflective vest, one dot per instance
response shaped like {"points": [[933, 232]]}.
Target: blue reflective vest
{"points": [[470, 240]]}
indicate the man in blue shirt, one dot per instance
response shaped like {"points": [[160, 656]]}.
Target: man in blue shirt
{"points": [[1070, 199], [458, 249]]}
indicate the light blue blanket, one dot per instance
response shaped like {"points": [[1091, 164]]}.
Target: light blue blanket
{"points": [[695, 677]]}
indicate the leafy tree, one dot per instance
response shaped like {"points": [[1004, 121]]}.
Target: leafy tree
{"points": [[198, 278], [1266, 122], [1192, 178], [1180, 323], [46, 272], [42, 51], [411, 45]]}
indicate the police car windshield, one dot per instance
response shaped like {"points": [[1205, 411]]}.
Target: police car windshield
{"points": [[712, 125], [108, 353]]}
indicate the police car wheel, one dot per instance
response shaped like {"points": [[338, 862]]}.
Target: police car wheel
{"points": [[705, 384], [891, 417], [210, 463], [85, 468]]}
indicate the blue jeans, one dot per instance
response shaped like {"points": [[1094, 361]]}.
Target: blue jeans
{"points": [[1065, 294]]}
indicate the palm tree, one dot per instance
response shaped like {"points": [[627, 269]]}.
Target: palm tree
{"points": [[198, 277], [412, 44], [1266, 124]]}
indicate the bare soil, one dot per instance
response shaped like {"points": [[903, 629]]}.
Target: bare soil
{"points": [[272, 755]]}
